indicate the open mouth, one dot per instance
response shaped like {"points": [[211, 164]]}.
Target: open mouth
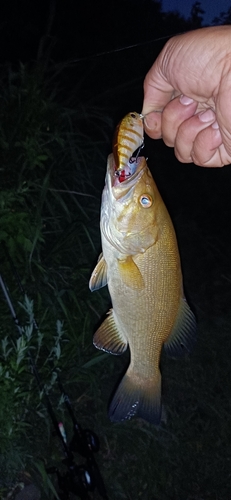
{"points": [[127, 172]]}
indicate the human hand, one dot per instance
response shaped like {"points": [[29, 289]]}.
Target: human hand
{"points": [[189, 87]]}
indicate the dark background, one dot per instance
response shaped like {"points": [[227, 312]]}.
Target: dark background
{"points": [[97, 54]]}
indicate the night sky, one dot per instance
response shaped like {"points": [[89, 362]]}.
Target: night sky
{"points": [[212, 8]]}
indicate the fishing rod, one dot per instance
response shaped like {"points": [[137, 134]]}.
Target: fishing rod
{"points": [[78, 479]]}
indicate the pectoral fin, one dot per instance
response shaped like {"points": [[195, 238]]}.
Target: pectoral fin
{"points": [[108, 338], [130, 274], [183, 334], [99, 276]]}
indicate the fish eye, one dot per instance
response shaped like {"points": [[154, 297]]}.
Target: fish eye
{"points": [[145, 200]]}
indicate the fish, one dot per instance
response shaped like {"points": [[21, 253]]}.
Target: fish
{"points": [[141, 266], [128, 137]]}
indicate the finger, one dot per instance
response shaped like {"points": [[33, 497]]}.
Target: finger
{"points": [[152, 124], [208, 148], [175, 113], [167, 124], [188, 132], [157, 90], [223, 105]]}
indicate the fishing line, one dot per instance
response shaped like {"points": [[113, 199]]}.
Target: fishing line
{"points": [[79, 479], [120, 49]]}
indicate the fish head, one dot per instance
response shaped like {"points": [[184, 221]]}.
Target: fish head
{"points": [[129, 209]]}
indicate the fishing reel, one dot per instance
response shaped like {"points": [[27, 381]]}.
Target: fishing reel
{"points": [[78, 480], [84, 478], [84, 441]]}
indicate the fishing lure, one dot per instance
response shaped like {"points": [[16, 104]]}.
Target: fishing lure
{"points": [[129, 136]]}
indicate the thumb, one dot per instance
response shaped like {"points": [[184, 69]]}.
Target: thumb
{"points": [[157, 91]]}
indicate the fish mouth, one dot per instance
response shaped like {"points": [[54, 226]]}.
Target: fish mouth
{"points": [[116, 201], [133, 173]]}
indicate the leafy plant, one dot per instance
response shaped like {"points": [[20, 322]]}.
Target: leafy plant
{"points": [[21, 404], [48, 201]]}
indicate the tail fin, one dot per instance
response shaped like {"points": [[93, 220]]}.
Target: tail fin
{"points": [[141, 399]]}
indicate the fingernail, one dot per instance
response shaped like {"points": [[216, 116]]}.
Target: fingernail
{"points": [[186, 100], [150, 121], [206, 116], [215, 125], [146, 122]]}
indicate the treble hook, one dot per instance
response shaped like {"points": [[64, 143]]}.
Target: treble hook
{"points": [[134, 159]]}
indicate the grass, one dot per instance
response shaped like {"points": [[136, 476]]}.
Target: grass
{"points": [[48, 204], [53, 161]]}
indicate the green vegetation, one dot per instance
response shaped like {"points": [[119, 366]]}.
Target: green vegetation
{"points": [[49, 209]]}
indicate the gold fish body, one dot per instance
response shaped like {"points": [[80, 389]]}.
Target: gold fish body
{"points": [[140, 264], [129, 136]]}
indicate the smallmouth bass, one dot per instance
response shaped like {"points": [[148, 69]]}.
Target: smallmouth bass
{"points": [[140, 263]]}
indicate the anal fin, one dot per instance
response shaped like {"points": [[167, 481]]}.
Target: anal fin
{"points": [[108, 338]]}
